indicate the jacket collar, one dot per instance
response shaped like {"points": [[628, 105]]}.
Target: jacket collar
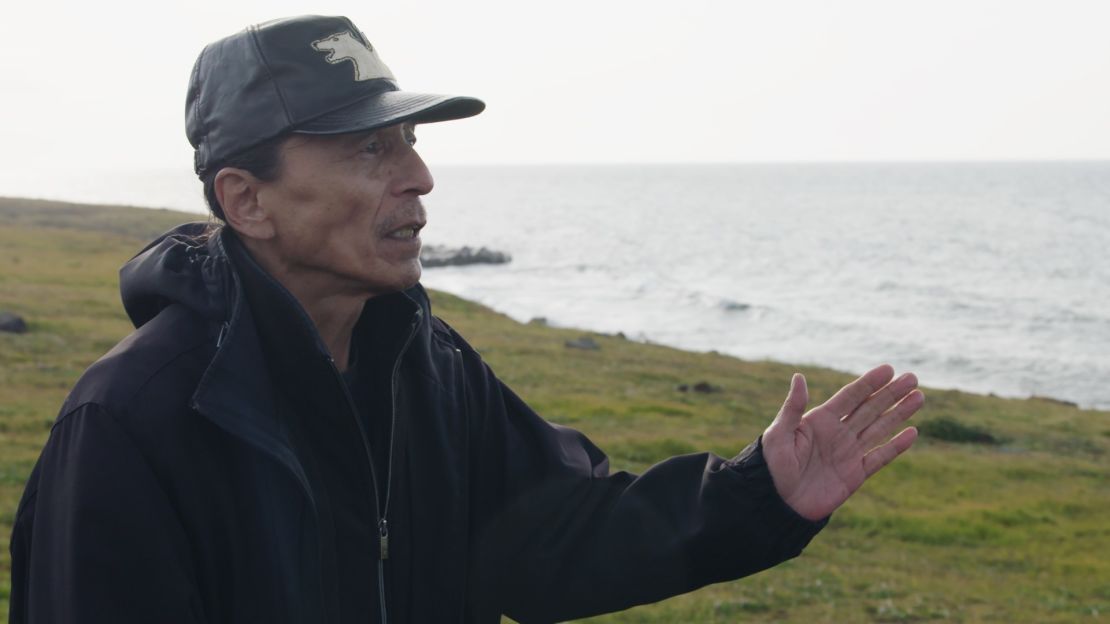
{"points": [[236, 391]]}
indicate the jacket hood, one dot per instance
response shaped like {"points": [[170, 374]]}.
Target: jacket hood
{"points": [[186, 265]]}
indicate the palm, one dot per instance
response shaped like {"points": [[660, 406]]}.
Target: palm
{"points": [[817, 460]]}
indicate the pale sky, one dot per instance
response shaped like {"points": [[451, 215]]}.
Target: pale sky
{"points": [[102, 84]]}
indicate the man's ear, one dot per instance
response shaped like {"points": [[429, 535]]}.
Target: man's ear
{"points": [[237, 191]]}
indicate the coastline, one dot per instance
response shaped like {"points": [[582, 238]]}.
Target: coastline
{"points": [[760, 262], [802, 363], [145, 223]]}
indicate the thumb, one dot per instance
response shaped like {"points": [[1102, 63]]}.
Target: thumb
{"points": [[795, 405]]}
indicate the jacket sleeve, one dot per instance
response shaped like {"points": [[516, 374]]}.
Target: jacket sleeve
{"points": [[560, 538], [95, 537]]}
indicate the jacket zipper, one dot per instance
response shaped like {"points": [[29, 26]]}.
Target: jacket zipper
{"points": [[381, 509]]}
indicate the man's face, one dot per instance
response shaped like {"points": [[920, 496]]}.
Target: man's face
{"points": [[347, 213]]}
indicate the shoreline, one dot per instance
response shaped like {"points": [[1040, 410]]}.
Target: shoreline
{"points": [[120, 219], [642, 338]]}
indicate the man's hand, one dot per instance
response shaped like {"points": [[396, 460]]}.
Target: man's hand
{"points": [[817, 460]]}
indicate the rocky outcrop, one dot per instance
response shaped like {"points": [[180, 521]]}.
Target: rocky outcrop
{"points": [[585, 342], [12, 323], [440, 256], [703, 387]]}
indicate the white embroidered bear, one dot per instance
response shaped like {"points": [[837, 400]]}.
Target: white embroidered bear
{"points": [[345, 47]]}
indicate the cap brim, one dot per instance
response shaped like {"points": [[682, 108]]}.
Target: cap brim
{"points": [[389, 108]]}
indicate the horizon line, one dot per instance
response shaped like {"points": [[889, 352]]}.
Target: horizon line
{"points": [[700, 163]]}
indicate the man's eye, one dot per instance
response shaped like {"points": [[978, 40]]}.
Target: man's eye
{"points": [[372, 147]]}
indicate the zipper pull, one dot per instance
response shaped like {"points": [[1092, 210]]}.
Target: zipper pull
{"points": [[383, 532], [223, 334]]}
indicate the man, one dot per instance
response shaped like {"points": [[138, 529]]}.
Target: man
{"points": [[290, 435]]}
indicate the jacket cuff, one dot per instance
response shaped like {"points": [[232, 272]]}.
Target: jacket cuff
{"points": [[751, 466]]}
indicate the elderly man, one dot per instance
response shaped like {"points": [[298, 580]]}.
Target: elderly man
{"points": [[290, 435]]}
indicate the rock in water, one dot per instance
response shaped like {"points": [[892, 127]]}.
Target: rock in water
{"points": [[438, 256], [734, 306], [12, 323]]}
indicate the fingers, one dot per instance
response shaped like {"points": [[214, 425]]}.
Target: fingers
{"points": [[883, 455], [879, 402], [885, 424], [795, 405], [852, 395]]}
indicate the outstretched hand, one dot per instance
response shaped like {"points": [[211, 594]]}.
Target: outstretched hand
{"points": [[817, 460]]}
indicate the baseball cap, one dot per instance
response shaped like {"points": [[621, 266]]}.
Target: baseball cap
{"points": [[307, 74]]}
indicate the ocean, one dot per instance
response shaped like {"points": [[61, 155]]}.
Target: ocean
{"points": [[986, 277]]}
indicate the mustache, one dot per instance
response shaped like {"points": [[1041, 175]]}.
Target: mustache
{"points": [[410, 213]]}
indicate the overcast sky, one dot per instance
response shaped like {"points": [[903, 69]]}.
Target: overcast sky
{"points": [[102, 84]]}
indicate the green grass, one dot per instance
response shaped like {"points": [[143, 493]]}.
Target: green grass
{"points": [[959, 531]]}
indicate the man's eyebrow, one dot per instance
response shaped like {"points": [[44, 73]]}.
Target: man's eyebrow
{"points": [[358, 137]]}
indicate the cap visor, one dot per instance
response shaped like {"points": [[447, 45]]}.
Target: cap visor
{"points": [[392, 107]]}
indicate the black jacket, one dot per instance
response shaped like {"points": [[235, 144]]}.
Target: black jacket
{"points": [[174, 486]]}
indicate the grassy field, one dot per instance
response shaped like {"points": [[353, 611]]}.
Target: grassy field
{"points": [[1013, 528]]}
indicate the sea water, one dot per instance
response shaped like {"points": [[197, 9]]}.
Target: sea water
{"points": [[988, 277]]}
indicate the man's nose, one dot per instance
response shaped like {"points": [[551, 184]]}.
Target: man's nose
{"points": [[413, 176]]}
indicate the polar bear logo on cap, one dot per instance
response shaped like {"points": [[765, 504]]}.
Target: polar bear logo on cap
{"points": [[346, 47]]}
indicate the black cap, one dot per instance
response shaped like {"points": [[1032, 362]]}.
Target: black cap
{"points": [[309, 74]]}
